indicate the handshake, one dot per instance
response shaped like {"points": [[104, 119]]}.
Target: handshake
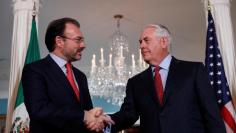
{"points": [[96, 120]]}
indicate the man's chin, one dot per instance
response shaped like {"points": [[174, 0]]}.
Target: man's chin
{"points": [[146, 60], [76, 59]]}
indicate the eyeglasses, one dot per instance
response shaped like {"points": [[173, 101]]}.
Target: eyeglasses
{"points": [[78, 40]]}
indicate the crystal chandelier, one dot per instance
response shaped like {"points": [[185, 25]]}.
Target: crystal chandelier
{"points": [[109, 81]]}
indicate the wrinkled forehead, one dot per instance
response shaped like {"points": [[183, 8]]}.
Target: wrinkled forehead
{"points": [[148, 32]]}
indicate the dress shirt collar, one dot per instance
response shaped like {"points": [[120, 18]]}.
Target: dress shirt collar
{"points": [[60, 62], [165, 64]]}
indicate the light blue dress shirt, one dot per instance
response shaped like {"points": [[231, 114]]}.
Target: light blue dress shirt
{"points": [[165, 64], [60, 62]]}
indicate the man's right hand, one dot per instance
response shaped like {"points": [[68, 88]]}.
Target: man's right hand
{"points": [[96, 120]]}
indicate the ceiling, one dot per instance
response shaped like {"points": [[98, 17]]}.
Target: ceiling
{"points": [[185, 19]]}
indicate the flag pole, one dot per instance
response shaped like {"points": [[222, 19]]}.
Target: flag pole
{"points": [[208, 5], [20, 42], [216, 74], [222, 16]]}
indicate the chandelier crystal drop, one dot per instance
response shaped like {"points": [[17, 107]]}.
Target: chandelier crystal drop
{"points": [[109, 81]]}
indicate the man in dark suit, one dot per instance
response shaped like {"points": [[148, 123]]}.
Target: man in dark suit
{"points": [[181, 100], [56, 94]]}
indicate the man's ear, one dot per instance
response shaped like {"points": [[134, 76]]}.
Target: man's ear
{"points": [[58, 41], [164, 42]]}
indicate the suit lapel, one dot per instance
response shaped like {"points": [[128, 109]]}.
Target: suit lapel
{"points": [[172, 81], [149, 80], [59, 76], [79, 83]]}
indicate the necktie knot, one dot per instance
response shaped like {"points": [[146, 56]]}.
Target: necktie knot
{"points": [[68, 66], [69, 69], [157, 69]]}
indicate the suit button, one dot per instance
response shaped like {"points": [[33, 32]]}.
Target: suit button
{"points": [[162, 114]]}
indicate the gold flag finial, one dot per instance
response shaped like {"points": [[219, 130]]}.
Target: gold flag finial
{"points": [[34, 10], [208, 5]]}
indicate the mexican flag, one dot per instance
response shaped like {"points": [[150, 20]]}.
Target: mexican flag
{"points": [[20, 119]]}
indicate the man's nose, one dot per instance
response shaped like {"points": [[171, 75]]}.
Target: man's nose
{"points": [[82, 45], [141, 44]]}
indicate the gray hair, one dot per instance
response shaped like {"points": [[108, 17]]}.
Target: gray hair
{"points": [[161, 31]]}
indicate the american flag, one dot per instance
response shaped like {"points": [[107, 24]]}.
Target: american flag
{"points": [[216, 74]]}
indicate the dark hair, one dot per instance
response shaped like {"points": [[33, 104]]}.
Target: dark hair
{"points": [[57, 28]]}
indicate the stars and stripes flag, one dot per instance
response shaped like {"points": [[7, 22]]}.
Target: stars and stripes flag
{"points": [[216, 74]]}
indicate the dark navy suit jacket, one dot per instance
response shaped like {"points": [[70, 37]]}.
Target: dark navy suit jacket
{"points": [[50, 100], [190, 104]]}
